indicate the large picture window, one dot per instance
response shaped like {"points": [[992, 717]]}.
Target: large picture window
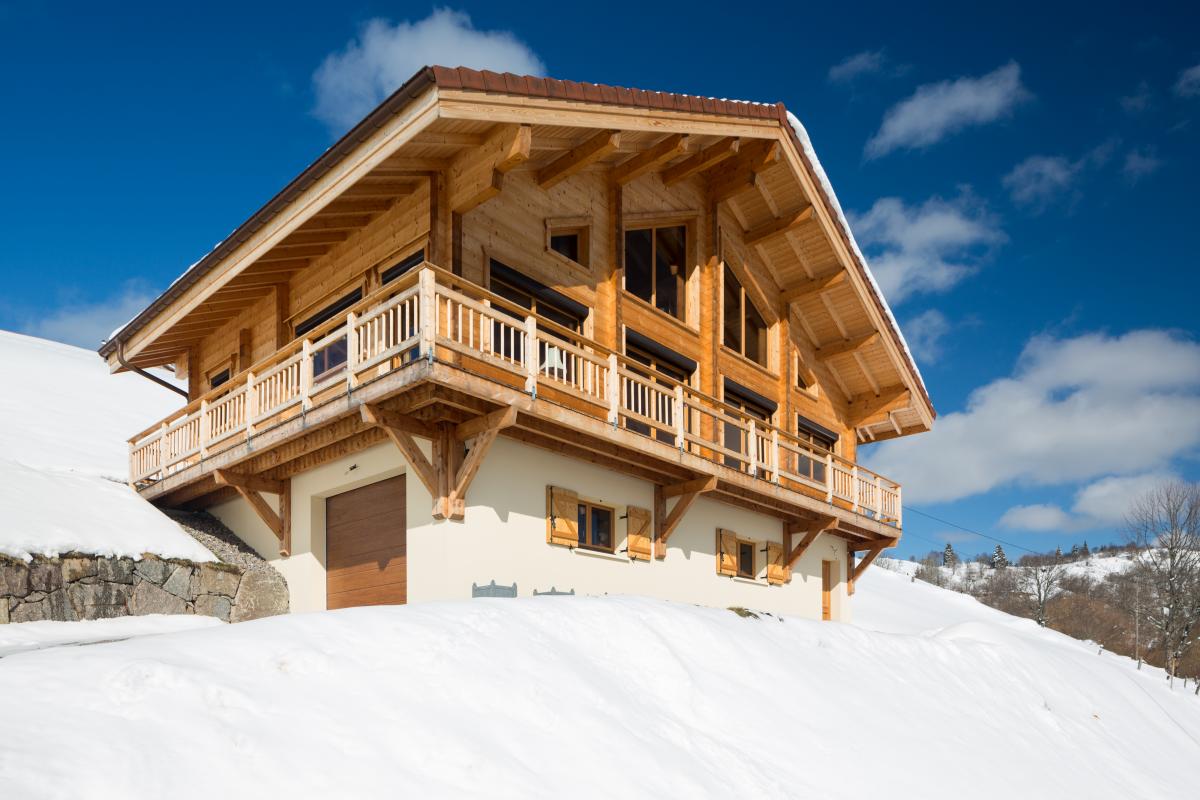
{"points": [[544, 302], [662, 361], [333, 355], [656, 266], [736, 437], [744, 330], [819, 436]]}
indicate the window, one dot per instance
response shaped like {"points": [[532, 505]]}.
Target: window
{"points": [[655, 266], [404, 266], [571, 243], [542, 301], [220, 378], [595, 527], [333, 355], [745, 560], [663, 361], [745, 330], [751, 404], [822, 438]]}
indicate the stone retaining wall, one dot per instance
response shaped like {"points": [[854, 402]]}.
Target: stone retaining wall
{"points": [[79, 586]]}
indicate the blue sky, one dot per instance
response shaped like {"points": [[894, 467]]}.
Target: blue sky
{"points": [[1023, 181]]}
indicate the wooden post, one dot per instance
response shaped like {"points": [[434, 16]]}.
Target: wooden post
{"points": [[878, 499], [752, 448], [427, 301], [899, 507], [531, 355], [775, 454], [351, 349], [306, 375], [854, 487], [203, 427], [251, 410], [614, 390], [680, 409], [829, 477], [162, 451]]}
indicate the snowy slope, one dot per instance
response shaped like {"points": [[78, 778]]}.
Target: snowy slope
{"points": [[600, 697], [64, 421]]}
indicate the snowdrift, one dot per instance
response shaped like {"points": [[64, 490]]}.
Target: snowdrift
{"points": [[64, 421], [600, 697]]}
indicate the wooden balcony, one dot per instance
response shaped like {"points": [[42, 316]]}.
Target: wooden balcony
{"points": [[431, 348]]}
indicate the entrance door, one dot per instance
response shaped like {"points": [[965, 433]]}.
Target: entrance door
{"points": [[366, 546], [826, 589]]}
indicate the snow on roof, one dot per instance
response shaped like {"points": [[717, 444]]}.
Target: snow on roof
{"points": [[811, 154]]}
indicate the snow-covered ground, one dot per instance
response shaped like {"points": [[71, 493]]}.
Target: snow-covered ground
{"points": [[1097, 567], [930, 694], [40, 635], [64, 421]]}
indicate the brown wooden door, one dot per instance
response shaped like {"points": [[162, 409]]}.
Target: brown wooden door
{"points": [[826, 589], [366, 546]]}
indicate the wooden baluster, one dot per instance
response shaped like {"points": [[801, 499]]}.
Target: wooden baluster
{"points": [[530, 349], [351, 350], [752, 448]]}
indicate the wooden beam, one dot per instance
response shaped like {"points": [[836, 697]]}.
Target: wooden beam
{"points": [[484, 439], [687, 492], [814, 530], [872, 554], [382, 189], [778, 227], [502, 418], [833, 349], [253, 483], [402, 438], [647, 161], [477, 175], [814, 286], [864, 408], [708, 157], [375, 415], [579, 158]]}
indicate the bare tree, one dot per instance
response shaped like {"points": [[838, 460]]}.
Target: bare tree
{"points": [[1042, 583], [1164, 524]]}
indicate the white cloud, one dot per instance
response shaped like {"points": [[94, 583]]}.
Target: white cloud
{"points": [[88, 324], [937, 110], [1188, 84], [1138, 102], [868, 62], [925, 248], [1102, 503], [349, 83], [1073, 410], [925, 333], [1038, 180], [1140, 163]]}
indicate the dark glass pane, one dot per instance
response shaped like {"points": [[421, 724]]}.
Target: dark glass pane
{"points": [[582, 523], [328, 312], [329, 358], [602, 528], [559, 316], [756, 335], [405, 265], [669, 253], [218, 379], [512, 294], [567, 244], [639, 263], [746, 559], [733, 441], [733, 312]]}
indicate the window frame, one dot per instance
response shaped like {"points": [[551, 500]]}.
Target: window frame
{"points": [[744, 302], [585, 537], [302, 328], [566, 226], [753, 546], [655, 225]]}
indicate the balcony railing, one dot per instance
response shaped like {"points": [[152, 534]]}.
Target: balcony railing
{"points": [[432, 314]]}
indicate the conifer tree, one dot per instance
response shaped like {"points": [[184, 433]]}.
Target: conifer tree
{"points": [[999, 559], [949, 557], [1083, 551]]}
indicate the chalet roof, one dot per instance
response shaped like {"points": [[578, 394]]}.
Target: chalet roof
{"points": [[471, 80]]}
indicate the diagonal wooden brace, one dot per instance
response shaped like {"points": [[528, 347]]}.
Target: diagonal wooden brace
{"points": [[250, 488], [687, 492]]}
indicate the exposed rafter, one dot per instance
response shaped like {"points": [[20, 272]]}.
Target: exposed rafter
{"points": [[477, 176], [706, 159], [778, 227], [863, 410], [579, 158], [834, 349], [647, 161], [813, 286]]}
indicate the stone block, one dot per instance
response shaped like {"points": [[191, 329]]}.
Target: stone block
{"points": [[85, 596], [74, 569], [261, 594], [153, 569], [215, 580], [29, 612], [150, 599], [115, 570], [214, 605], [14, 578], [44, 576], [180, 583]]}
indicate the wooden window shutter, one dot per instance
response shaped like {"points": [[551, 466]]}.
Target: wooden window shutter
{"points": [[562, 522], [637, 526], [777, 570], [726, 552]]}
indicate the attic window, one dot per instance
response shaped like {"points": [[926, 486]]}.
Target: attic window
{"points": [[568, 237], [218, 379], [744, 331], [656, 268]]}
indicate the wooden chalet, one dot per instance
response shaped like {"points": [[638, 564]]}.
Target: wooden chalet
{"points": [[544, 333]]}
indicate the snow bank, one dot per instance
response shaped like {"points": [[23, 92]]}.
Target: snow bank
{"points": [[40, 635], [592, 697], [64, 421]]}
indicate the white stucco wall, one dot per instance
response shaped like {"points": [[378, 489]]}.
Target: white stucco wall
{"points": [[503, 538]]}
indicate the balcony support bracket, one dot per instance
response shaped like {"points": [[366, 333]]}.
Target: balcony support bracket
{"points": [[251, 487], [687, 492], [812, 531]]}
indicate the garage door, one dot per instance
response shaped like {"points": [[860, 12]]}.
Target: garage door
{"points": [[366, 546]]}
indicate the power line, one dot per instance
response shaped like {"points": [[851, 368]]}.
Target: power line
{"points": [[968, 530]]}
